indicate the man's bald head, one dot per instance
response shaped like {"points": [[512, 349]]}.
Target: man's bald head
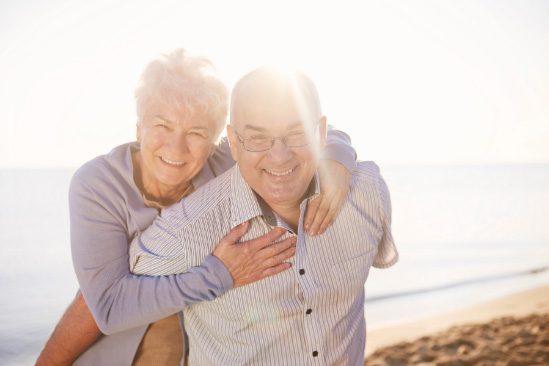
{"points": [[267, 86]]}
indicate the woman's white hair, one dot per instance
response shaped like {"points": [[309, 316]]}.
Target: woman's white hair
{"points": [[187, 83]]}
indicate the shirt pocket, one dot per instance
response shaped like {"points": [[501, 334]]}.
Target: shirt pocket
{"points": [[353, 271]]}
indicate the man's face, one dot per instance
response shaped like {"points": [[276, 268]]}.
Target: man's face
{"points": [[282, 174]]}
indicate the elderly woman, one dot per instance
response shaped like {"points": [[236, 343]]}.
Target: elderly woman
{"points": [[181, 109]]}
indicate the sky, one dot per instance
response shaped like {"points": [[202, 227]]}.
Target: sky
{"points": [[412, 82]]}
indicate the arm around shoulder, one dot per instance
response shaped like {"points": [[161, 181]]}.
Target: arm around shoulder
{"points": [[339, 148], [118, 299]]}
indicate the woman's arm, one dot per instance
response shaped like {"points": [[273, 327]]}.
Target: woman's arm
{"points": [[75, 333], [117, 299]]}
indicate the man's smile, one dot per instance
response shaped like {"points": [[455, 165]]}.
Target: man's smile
{"points": [[280, 172]]}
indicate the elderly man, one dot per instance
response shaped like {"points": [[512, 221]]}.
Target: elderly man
{"points": [[313, 313]]}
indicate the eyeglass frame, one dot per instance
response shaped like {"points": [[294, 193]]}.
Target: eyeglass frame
{"points": [[273, 139]]}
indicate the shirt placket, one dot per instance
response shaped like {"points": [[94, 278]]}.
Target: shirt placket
{"points": [[313, 352]]}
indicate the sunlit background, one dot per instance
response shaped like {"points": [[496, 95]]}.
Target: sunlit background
{"points": [[450, 98], [411, 81]]}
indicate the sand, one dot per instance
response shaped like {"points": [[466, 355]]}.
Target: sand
{"points": [[513, 330]]}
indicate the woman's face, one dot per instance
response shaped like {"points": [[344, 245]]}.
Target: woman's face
{"points": [[173, 148]]}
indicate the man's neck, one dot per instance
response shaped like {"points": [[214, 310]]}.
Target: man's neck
{"points": [[290, 212], [290, 215]]}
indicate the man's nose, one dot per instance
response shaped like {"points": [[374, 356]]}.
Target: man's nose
{"points": [[280, 152]]}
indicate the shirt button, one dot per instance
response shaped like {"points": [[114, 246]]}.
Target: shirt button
{"points": [[309, 311], [302, 271], [315, 353]]}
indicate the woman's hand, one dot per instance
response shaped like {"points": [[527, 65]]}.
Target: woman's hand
{"points": [[334, 186], [255, 259]]}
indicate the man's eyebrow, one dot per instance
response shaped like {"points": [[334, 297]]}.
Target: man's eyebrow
{"points": [[295, 125], [199, 128], [260, 129], [252, 127]]}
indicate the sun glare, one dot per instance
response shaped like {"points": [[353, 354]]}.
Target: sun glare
{"points": [[421, 82]]}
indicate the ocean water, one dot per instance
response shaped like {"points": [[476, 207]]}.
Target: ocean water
{"points": [[465, 234]]}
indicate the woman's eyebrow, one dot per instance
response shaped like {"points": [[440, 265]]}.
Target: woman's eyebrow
{"points": [[163, 119]]}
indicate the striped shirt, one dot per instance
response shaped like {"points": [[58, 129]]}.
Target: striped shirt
{"points": [[310, 314]]}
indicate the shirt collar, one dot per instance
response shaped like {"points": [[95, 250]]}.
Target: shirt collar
{"points": [[245, 204]]}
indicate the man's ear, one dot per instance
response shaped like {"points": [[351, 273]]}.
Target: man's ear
{"points": [[322, 131], [233, 142]]}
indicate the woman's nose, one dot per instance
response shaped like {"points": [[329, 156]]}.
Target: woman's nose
{"points": [[178, 142]]}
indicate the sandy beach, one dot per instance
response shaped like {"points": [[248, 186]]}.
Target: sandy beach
{"points": [[513, 330]]}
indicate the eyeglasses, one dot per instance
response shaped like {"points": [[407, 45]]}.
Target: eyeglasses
{"points": [[260, 143]]}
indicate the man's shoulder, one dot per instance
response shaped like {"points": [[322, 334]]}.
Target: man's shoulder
{"points": [[368, 188], [203, 202], [366, 172]]}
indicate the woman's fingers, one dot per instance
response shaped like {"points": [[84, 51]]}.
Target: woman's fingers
{"points": [[235, 234], [321, 209], [271, 271], [265, 240], [330, 215], [248, 261], [310, 213], [275, 249], [334, 185], [283, 252]]}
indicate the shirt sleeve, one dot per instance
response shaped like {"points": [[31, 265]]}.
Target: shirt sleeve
{"points": [[117, 299], [157, 251], [339, 148], [387, 254]]}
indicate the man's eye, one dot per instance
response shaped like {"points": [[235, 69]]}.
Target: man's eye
{"points": [[197, 134], [162, 125]]}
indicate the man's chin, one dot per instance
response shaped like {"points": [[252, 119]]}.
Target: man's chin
{"points": [[281, 195]]}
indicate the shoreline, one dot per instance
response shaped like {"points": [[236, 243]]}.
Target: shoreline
{"points": [[520, 304]]}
